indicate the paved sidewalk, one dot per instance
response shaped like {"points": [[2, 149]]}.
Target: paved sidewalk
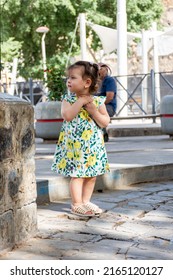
{"points": [[137, 196], [137, 224]]}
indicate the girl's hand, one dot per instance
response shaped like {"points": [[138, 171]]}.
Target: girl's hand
{"points": [[85, 100], [100, 115], [91, 108]]}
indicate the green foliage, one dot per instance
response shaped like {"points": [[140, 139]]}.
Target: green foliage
{"points": [[56, 78], [21, 18], [56, 84], [10, 49], [141, 13]]}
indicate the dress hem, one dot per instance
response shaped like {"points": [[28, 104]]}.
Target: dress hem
{"points": [[71, 176]]}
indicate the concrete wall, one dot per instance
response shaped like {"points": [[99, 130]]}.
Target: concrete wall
{"points": [[18, 218]]}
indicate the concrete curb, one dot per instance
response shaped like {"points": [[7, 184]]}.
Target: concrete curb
{"points": [[58, 188], [133, 131]]}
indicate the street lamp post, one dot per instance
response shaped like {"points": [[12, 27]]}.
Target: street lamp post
{"points": [[44, 30]]}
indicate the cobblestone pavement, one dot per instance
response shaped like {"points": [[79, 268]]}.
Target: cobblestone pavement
{"points": [[137, 224]]}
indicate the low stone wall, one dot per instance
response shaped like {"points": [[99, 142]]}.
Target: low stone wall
{"points": [[18, 217]]}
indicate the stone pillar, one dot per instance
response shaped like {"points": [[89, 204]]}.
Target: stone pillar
{"points": [[18, 215]]}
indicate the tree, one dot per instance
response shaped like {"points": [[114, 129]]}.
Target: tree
{"points": [[10, 49], [20, 19], [141, 14]]}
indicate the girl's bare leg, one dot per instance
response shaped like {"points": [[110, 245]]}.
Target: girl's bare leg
{"points": [[88, 188], [76, 186]]}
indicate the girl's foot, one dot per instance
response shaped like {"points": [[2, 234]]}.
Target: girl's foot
{"points": [[94, 208], [82, 211]]}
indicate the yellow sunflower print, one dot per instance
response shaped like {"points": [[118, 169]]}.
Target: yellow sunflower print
{"points": [[61, 136], [91, 161], [86, 135], [77, 145], [83, 114], [78, 155], [62, 164], [70, 155], [69, 144]]}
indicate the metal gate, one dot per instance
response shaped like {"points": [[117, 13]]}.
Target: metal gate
{"points": [[144, 92]]}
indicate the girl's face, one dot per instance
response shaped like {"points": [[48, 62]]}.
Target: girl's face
{"points": [[76, 83]]}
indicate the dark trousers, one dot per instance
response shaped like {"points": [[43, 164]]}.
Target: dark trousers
{"points": [[110, 110], [111, 113]]}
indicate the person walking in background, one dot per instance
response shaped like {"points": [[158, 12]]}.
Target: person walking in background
{"points": [[80, 152], [109, 90]]}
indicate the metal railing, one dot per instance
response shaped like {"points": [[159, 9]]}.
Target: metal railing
{"points": [[142, 91], [144, 94], [32, 91]]}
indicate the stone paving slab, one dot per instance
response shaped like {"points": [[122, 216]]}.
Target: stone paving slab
{"points": [[138, 224]]}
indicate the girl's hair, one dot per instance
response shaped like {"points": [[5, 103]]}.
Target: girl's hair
{"points": [[89, 70]]}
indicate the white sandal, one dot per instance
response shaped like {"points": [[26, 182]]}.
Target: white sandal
{"points": [[94, 208], [82, 211]]}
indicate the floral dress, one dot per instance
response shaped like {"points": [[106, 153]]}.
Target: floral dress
{"points": [[80, 151]]}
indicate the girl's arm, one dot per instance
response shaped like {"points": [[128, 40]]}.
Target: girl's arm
{"points": [[70, 111], [100, 115]]}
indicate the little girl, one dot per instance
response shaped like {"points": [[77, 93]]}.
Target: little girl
{"points": [[80, 151]]}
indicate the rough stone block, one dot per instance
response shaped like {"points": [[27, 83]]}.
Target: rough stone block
{"points": [[2, 188], [7, 234], [25, 222], [6, 150]]}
